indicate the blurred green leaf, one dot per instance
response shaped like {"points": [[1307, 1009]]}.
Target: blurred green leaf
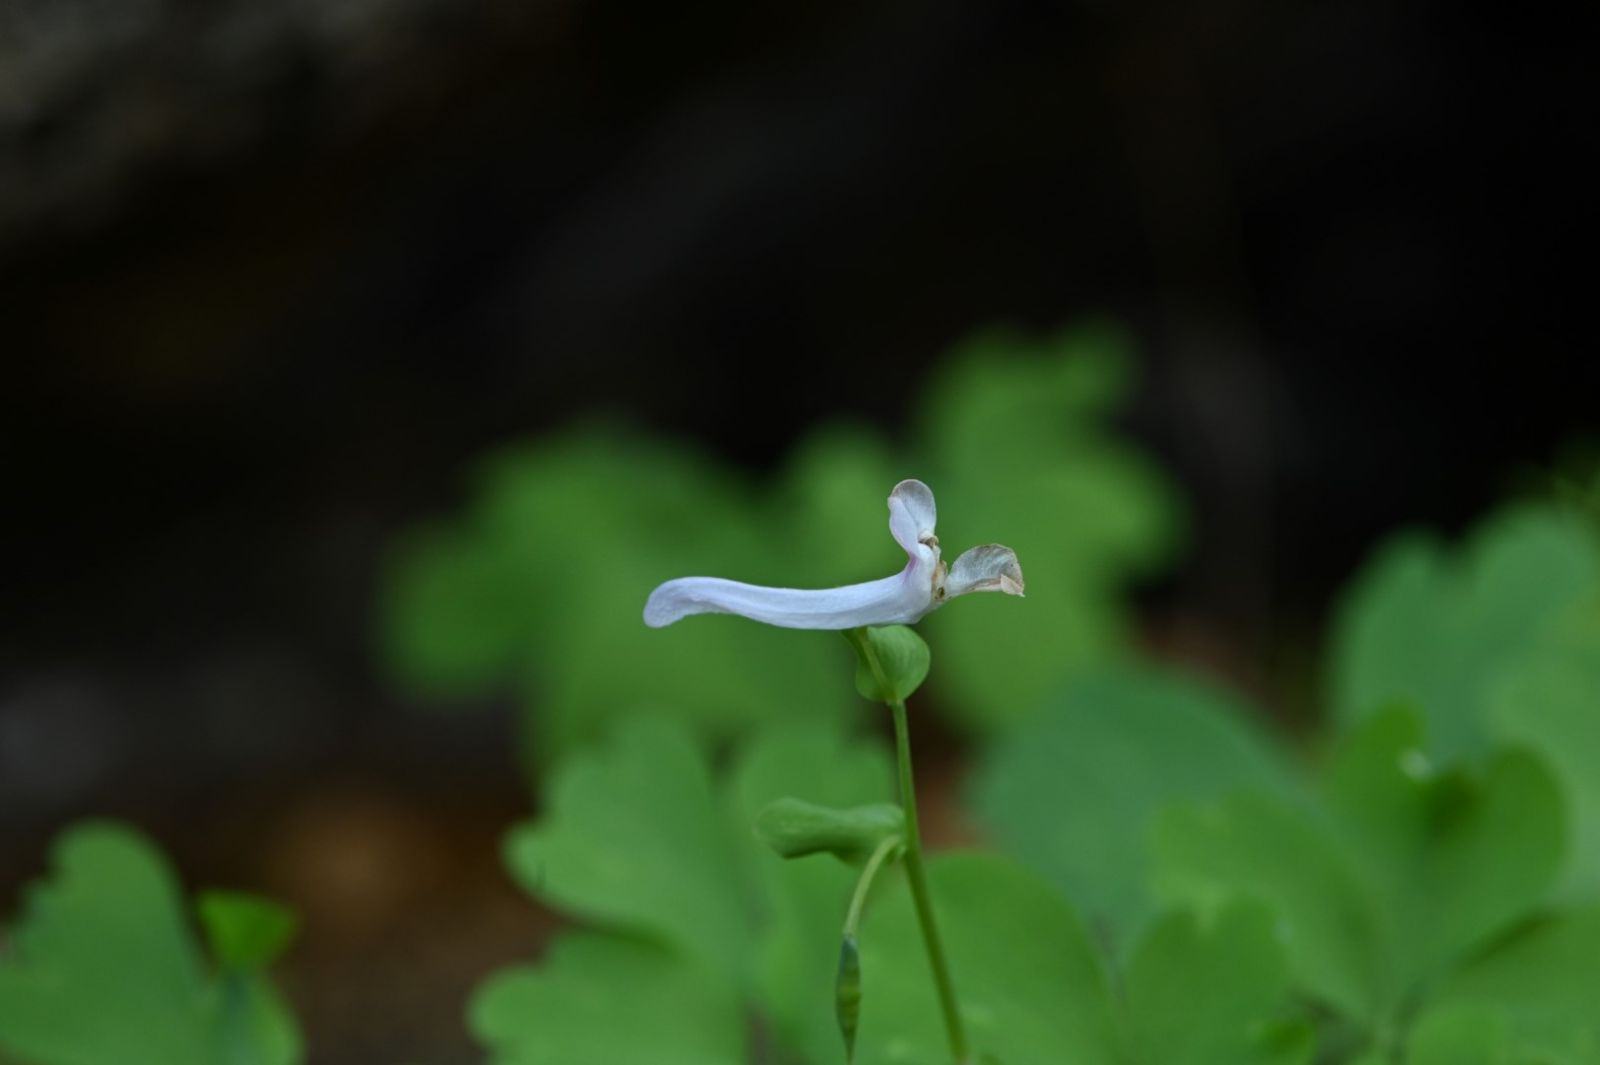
{"points": [[456, 612], [1214, 990], [1027, 978], [601, 1000], [1207, 990], [1075, 791], [1253, 846], [633, 839], [1438, 629], [1550, 703], [1458, 1037], [1539, 987], [640, 838], [539, 587], [1413, 869], [898, 657], [256, 1025], [1020, 453], [244, 931], [104, 970], [1456, 857], [828, 506]]}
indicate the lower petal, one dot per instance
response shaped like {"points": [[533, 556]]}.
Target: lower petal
{"points": [[898, 600]]}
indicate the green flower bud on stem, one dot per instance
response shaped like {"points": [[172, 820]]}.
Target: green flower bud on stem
{"points": [[847, 994], [891, 662]]}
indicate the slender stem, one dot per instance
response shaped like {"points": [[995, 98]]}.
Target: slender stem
{"points": [[918, 877], [912, 854], [852, 919]]}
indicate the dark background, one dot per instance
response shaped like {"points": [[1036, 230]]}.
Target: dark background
{"points": [[273, 274]]}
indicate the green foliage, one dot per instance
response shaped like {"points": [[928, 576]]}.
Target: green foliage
{"points": [[601, 1000], [1405, 873], [1214, 987], [1017, 442], [1426, 899], [1551, 703], [1173, 892], [244, 931], [1030, 986], [1536, 990], [104, 970], [1453, 856], [1442, 630], [1496, 641], [644, 842], [1033, 989], [634, 840], [1383, 887], [539, 584], [1411, 893], [1458, 1037], [1252, 846], [1413, 905], [891, 662], [1075, 791]]}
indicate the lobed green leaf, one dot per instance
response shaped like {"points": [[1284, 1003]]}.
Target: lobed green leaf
{"points": [[1075, 792], [601, 1000], [103, 970], [1439, 630], [641, 838], [1027, 976]]}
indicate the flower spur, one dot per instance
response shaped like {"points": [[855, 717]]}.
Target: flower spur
{"points": [[906, 597]]}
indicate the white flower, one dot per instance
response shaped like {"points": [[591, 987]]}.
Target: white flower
{"points": [[904, 598]]}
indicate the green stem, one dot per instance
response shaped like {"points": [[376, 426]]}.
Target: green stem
{"points": [[869, 873], [916, 873]]}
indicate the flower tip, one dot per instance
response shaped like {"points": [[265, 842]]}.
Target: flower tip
{"points": [[663, 607], [911, 489], [1011, 581]]}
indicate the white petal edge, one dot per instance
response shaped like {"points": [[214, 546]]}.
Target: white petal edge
{"points": [[986, 568], [898, 600]]}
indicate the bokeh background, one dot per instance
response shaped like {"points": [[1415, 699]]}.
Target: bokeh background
{"points": [[276, 276]]}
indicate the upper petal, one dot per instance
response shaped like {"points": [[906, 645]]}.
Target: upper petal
{"points": [[987, 568], [912, 516]]}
